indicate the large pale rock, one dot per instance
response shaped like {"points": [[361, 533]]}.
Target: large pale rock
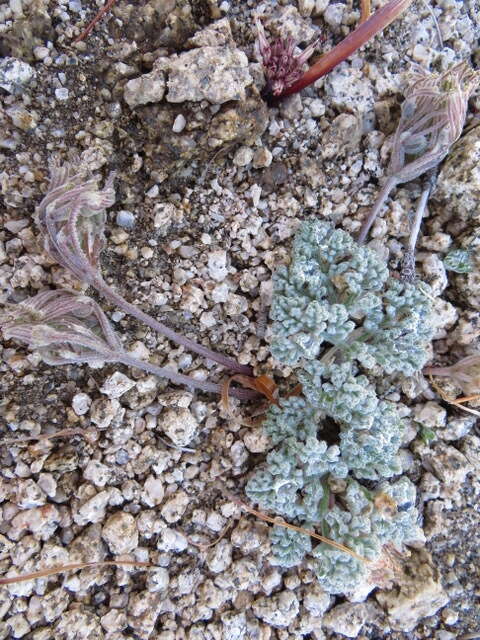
{"points": [[419, 594], [120, 533], [458, 184], [179, 424], [216, 74], [279, 610]]}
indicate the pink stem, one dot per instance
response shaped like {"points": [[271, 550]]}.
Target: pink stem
{"points": [[179, 378], [362, 34], [443, 372], [377, 207], [103, 288]]}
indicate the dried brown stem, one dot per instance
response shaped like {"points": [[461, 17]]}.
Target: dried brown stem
{"points": [[108, 5], [365, 10], [208, 545], [453, 401], [48, 436], [43, 573], [287, 525]]}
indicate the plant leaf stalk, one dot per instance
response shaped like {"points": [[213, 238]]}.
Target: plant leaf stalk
{"points": [[72, 219], [110, 294]]}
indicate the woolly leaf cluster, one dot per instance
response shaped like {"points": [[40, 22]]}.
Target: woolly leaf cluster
{"points": [[337, 294]]}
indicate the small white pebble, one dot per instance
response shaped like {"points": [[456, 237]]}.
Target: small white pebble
{"points": [[125, 219], [117, 316], [207, 319], [61, 94], [243, 156], [40, 53], [262, 158], [147, 252], [255, 193], [81, 403], [317, 108], [217, 265], [120, 533], [179, 124], [116, 385], [154, 491], [153, 191]]}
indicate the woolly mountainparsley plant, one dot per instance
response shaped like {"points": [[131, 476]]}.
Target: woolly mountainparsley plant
{"points": [[338, 294]]}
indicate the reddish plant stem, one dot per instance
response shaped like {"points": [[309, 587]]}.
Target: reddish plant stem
{"points": [[110, 294], [108, 5], [362, 34], [390, 184], [442, 372], [179, 378]]}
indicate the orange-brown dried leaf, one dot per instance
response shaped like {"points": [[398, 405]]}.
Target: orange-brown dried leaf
{"points": [[296, 391], [265, 386]]}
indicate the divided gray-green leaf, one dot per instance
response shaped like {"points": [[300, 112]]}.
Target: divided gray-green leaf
{"points": [[338, 318]]}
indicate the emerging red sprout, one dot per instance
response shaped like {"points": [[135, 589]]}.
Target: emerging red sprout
{"points": [[282, 67]]}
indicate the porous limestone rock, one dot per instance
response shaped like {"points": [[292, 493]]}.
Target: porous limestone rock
{"points": [[419, 593]]}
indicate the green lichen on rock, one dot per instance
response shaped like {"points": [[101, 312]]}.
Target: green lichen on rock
{"points": [[458, 261]]}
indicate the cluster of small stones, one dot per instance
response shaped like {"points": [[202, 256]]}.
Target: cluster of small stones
{"points": [[197, 246]]}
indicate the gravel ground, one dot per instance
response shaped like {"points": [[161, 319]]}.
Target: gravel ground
{"points": [[211, 185]]}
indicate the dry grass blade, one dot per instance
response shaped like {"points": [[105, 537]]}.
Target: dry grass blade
{"points": [[287, 525], [365, 10], [49, 436], [51, 571], [208, 545], [476, 396], [454, 401], [108, 5]]}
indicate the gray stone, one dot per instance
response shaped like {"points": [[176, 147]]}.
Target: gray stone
{"points": [[316, 601], [219, 557], [145, 89], [179, 424], [458, 184], [216, 74], [120, 533], [419, 594], [81, 403], [125, 219], [278, 610], [346, 618], [174, 508], [15, 75], [179, 123], [143, 610], [116, 385]]}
